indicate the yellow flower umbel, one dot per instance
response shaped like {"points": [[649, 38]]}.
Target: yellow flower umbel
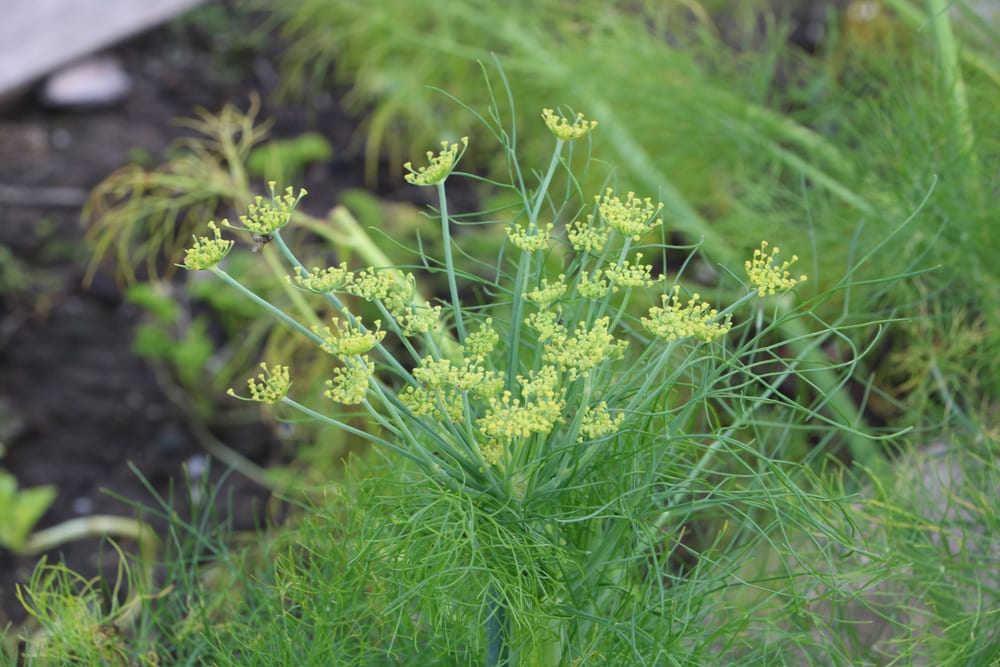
{"points": [[264, 217], [268, 387], [509, 418], [561, 128], [632, 217], [351, 339], [586, 236], [765, 273], [330, 279], [580, 352], [440, 166], [530, 239], [206, 252], [350, 383], [547, 292], [598, 422], [629, 275], [674, 320]]}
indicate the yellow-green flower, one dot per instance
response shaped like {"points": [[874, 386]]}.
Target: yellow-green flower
{"points": [[632, 217], [629, 275], [509, 418], [586, 236], [547, 292], [207, 252], [482, 341], [674, 320], [349, 384], [580, 352], [597, 422], [561, 127], [269, 387], [765, 273], [264, 217], [330, 279], [416, 319], [350, 339], [439, 166], [530, 239], [591, 288]]}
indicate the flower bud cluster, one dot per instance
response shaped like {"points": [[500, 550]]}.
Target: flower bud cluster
{"points": [[632, 217], [695, 320], [351, 339], [349, 384], [530, 239], [439, 166], [765, 273], [269, 387], [207, 252], [563, 130], [266, 216], [579, 352], [631, 276]]}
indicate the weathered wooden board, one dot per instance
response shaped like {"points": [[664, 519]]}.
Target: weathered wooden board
{"points": [[37, 36]]}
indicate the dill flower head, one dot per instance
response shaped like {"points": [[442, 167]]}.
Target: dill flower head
{"points": [[207, 252], [268, 387], [264, 217], [530, 239], [592, 287], [632, 217], [547, 292], [351, 339], [329, 279], [586, 236], [632, 275], [509, 418], [675, 320], [561, 127], [579, 352], [439, 166], [767, 275], [598, 422], [350, 382]]}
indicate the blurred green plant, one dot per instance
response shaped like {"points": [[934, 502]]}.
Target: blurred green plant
{"points": [[20, 509], [284, 160]]}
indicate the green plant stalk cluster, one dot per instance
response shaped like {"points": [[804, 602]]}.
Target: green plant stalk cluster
{"points": [[539, 387]]}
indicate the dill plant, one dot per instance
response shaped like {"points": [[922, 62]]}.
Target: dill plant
{"points": [[589, 446]]}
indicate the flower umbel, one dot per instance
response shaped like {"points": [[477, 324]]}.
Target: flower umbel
{"points": [[598, 422], [547, 292], [629, 275], [674, 320], [330, 279], [561, 128], [350, 383], [530, 239], [268, 387], [632, 217], [765, 273], [206, 252], [350, 340], [265, 217], [439, 166], [580, 352]]}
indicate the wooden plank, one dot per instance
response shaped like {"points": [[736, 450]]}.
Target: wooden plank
{"points": [[38, 36]]}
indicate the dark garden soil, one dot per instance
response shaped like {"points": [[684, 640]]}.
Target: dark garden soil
{"points": [[76, 406]]}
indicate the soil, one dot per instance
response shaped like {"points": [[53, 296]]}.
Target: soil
{"points": [[76, 406]]}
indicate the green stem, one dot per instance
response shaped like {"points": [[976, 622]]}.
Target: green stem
{"points": [[449, 262]]}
